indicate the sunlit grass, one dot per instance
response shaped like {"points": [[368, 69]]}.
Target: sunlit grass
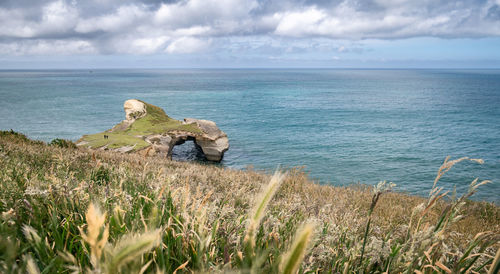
{"points": [[72, 210]]}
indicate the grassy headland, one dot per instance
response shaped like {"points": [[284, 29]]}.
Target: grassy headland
{"points": [[66, 209], [156, 121]]}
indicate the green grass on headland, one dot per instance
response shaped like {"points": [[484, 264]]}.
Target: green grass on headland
{"points": [[115, 140], [156, 121], [67, 209]]}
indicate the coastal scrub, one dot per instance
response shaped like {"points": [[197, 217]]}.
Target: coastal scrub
{"points": [[66, 209]]}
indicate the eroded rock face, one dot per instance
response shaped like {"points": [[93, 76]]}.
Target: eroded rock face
{"points": [[212, 141], [162, 144], [134, 109]]}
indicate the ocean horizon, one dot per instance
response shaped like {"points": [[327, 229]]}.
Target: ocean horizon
{"points": [[343, 126]]}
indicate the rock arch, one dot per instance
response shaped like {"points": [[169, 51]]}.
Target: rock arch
{"points": [[147, 127]]}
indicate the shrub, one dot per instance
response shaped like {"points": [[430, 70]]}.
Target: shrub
{"points": [[17, 137], [100, 175], [62, 143]]}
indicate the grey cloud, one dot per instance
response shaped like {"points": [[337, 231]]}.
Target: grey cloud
{"points": [[494, 13], [155, 26]]}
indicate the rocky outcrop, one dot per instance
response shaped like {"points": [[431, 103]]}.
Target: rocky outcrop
{"points": [[147, 128], [213, 141], [134, 109]]}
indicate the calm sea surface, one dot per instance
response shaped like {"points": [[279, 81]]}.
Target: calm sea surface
{"points": [[344, 126]]}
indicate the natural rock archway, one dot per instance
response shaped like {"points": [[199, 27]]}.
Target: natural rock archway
{"points": [[148, 129]]}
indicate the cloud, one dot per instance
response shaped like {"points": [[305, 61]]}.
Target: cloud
{"points": [[300, 23], [44, 47], [56, 19], [393, 20], [187, 45], [190, 26], [217, 13], [123, 18]]}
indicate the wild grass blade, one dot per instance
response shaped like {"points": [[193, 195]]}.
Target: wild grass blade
{"points": [[297, 251], [131, 248], [258, 212], [495, 265], [31, 267]]}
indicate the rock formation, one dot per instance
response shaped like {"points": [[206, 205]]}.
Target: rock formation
{"points": [[147, 128]]}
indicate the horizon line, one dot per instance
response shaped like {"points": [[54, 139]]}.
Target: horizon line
{"points": [[256, 68]]}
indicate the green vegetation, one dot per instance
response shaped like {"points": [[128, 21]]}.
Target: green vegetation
{"points": [[62, 143], [155, 122], [114, 140], [73, 210]]}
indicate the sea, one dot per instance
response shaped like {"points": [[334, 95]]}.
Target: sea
{"points": [[341, 126]]}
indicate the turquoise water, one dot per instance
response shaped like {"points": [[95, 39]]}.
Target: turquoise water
{"points": [[344, 126]]}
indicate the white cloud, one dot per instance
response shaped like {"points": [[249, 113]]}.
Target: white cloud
{"points": [[56, 18], [300, 23], [13, 24], [345, 22], [187, 45], [148, 45], [133, 26], [193, 31], [43, 47], [217, 13], [123, 18]]}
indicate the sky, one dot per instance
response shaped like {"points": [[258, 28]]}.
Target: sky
{"points": [[37, 34]]}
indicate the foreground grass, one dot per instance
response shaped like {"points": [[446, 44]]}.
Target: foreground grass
{"points": [[73, 210]]}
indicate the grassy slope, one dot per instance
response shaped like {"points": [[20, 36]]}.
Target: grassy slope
{"points": [[201, 211], [155, 122]]}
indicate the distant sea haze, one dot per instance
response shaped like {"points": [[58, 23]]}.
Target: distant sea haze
{"points": [[344, 126]]}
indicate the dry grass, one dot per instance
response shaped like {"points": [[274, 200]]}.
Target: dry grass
{"points": [[201, 213]]}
